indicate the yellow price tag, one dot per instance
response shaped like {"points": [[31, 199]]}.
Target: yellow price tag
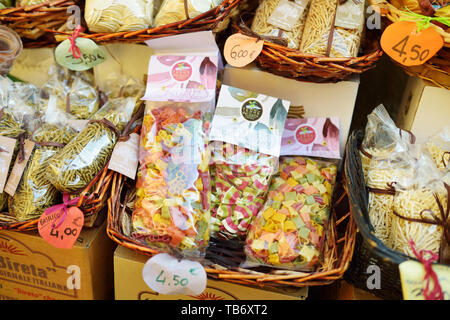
{"points": [[412, 274]]}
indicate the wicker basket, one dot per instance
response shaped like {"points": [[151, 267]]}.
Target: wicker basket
{"points": [[216, 19], [290, 63], [369, 249], [435, 71], [31, 22], [338, 250]]}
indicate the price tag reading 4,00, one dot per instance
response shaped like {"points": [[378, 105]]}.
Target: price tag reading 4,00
{"points": [[404, 44], [240, 50], [164, 274]]}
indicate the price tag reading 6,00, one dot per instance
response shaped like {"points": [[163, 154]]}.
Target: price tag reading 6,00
{"points": [[404, 44], [164, 274], [240, 50]]}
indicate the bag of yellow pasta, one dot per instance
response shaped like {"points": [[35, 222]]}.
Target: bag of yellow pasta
{"points": [[175, 10], [334, 28], [439, 148], [118, 15], [35, 193], [74, 167], [281, 18]]}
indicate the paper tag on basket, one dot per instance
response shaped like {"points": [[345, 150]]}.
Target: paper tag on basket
{"points": [[240, 50], [60, 230], [18, 169], [7, 146], [124, 158], [404, 44], [412, 274], [91, 54], [164, 274], [287, 14]]}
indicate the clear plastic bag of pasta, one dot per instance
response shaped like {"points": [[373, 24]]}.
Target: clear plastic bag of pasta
{"points": [[172, 209], [172, 11], [420, 210], [439, 148], [35, 193], [77, 164], [333, 28], [382, 138], [289, 231], [240, 181], [75, 92], [281, 18], [118, 15]]}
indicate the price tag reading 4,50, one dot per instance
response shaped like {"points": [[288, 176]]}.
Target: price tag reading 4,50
{"points": [[164, 274], [404, 44], [240, 50]]}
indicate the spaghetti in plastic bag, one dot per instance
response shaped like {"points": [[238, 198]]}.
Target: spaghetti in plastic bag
{"points": [[74, 166], [172, 210], [333, 28]]}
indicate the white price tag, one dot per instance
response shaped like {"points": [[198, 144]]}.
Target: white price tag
{"points": [[164, 274]]}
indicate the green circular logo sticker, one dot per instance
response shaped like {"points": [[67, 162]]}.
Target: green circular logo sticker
{"points": [[252, 110]]}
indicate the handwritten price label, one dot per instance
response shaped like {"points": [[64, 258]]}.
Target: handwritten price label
{"points": [[240, 50], [166, 275], [91, 55], [412, 274], [403, 44], [65, 235]]}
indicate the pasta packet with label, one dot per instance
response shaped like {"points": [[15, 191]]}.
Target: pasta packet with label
{"points": [[289, 231], [172, 210], [246, 137]]}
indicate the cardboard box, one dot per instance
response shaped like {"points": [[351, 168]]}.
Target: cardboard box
{"points": [[129, 284], [31, 269], [424, 109], [317, 99]]}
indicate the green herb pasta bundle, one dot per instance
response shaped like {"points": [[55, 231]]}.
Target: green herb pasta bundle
{"points": [[74, 167]]}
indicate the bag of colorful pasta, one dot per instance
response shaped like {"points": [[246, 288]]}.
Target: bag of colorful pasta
{"points": [[246, 137], [282, 19], [289, 231], [172, 211], [439, 148], [34, 192], [382, 138], [420, 217], [76, 165], [334, 28]]}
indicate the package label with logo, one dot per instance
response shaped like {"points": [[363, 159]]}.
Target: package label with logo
{"points": [[315, 137], [182, 78], [249, 120]]}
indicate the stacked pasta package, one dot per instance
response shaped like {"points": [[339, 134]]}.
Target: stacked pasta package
{"points": [[408, 191], [246, 137], [173, 197], [289, 231], [330, 28]]}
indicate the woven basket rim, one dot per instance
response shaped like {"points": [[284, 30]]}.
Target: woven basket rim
{"points": [[353, 177]]}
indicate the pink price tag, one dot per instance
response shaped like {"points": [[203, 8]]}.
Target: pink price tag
{"points": [[60, 230]]}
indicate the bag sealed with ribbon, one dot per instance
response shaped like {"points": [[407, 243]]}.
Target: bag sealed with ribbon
{"points": [[289, 231], [77, 164], [382, 138], [75, 91], [439, 148], [172, 11], [172, 209], [283, 19], [421, 211], [35, 193], [334, 28], [118, 15], [247, 130]]}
